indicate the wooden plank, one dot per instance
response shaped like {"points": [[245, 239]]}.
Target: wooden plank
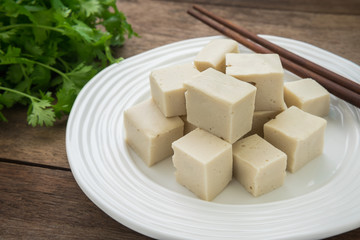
{"points": [[39, 203], [350, 7], [40, 145], [165, 22]]}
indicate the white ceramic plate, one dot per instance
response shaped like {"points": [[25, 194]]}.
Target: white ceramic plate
{"points": [[321, 200]]}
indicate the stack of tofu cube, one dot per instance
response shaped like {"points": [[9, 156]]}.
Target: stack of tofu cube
{"points": [[229, 114]]}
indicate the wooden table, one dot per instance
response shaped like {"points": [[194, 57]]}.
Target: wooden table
{"points": [[39, 198]]}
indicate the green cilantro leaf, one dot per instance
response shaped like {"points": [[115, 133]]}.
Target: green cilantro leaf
{"points": [[90, 7], [7, 35], [66, 98], [41, 113]]}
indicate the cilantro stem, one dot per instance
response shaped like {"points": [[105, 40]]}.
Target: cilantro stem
{"points": [[66, 78], [48, 67], [31, 25], [22, 59], [67, 67], [110, 57], [32, 98], [27, 79], [45, 66]]}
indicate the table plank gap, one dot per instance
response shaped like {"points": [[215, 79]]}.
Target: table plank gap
{"points": [[33, 164]]}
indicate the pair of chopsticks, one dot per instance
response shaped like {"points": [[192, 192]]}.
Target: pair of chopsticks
{"points": [[336, 84]]}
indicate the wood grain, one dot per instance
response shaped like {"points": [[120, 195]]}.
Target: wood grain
{"points": [[40, 145], [39, 203], [348, 7], [39, 198], [332, 32]]}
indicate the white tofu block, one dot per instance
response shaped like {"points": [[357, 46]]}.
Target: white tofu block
{"points": [[265, 72], [203, 163], [149, 133], [220, 104], [258, 165], [167, 88], [188, 127], [297, 133], [308, 95], [259, 119], [213, 54]]}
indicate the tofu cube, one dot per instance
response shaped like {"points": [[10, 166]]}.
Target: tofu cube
{"points": [[149, 133], [297, 133], [308, 95], [265, 72], [203, 163], [220, 104], [213, 54], [258, 166], [167, 88]]}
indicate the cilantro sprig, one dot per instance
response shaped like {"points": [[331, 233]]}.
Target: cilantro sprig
{"points": [[50, 49]]}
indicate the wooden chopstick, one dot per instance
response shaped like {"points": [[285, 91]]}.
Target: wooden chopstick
{"points": [[344, 92]]}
